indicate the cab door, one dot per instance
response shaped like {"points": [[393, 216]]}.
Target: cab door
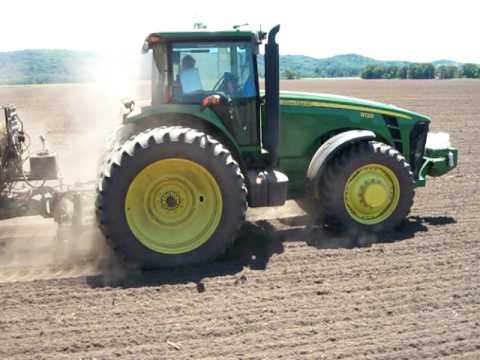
{"points": [[203, 69]]}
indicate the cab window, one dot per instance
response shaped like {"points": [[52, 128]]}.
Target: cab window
{"points": [[202, 69]]}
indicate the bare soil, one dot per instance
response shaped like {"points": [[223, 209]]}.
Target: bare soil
{"points": [[286, 290]]}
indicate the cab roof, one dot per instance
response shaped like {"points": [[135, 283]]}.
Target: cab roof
{"points": [[197, 36], [204, 35]]}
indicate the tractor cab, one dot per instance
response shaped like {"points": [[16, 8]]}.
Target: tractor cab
{"points": [[218, 70]]}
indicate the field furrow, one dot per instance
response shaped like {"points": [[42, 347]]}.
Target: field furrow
{"points": [[286, 290]]}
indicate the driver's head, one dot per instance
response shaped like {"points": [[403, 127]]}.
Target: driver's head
{"points": [[188, 62]]}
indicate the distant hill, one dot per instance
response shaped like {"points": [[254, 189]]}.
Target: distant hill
{"points": [[446, 63], [67, 66], [347, 65], [46, 66]]}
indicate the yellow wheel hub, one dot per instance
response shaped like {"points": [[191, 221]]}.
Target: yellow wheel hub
{"points": [[173, 206], [372, 194]]}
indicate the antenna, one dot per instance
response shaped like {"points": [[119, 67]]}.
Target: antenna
{"points": [[261, 34], [236, 27]]}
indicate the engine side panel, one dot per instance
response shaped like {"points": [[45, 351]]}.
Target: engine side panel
{"points": [[303, 129]]}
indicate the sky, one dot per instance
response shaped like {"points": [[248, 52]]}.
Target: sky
{"points": [[413, 30]]}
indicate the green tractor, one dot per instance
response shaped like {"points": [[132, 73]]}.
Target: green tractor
{"points": [[178, 175]]}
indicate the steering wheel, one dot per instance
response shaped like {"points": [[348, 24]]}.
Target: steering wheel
{"points": [[219, 82]]}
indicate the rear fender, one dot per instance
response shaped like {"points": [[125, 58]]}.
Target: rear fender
{"points": [[205, 120], [180, 114], [328, 150]]}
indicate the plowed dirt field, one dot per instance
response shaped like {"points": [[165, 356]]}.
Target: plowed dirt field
{"points": [[286, 290]]}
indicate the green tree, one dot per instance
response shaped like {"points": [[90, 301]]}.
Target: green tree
{"points": [[470, 70], [319, 72], [402, 72], [441, 72], [391, 72], [421, 71], [290, 74], [412, 71], [368, 72], [447, 72], [428, 71]]}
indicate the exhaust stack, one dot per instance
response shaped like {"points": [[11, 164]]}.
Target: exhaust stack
{"points": [[272, 94]]}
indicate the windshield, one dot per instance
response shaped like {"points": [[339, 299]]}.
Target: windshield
{"points": [[205, 68]]}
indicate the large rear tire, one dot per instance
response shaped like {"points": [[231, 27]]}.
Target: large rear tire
{"points": [[171, 196], [367, 187]]}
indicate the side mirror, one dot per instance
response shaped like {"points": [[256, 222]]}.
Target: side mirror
{"points": [[129, 106]]}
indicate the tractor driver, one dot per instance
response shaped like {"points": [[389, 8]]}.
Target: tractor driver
{"points": [[189, 76]]}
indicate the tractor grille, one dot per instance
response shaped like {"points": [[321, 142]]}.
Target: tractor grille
{"points": [[418, 138], [392, 125]]}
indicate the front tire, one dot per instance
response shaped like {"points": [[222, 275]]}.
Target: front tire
{"points": [[171, 196], [367, 187]]}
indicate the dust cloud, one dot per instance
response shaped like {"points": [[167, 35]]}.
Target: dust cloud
{"points": [[99, 111], [76, 120], [37, 249]]}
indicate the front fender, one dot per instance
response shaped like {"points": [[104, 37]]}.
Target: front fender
{"points": [[328, 149]]}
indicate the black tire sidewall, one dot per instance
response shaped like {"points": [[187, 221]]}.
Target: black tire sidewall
{"points": [[366, 158], [121, 178]]}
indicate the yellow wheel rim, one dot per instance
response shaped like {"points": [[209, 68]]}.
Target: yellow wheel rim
{"points": [[372, 194], [173, 206]]}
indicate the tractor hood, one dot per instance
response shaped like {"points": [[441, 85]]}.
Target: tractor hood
{"points": [[304, 99]]}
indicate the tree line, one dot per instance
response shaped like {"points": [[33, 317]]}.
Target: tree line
{"points": [[421, 71], [319, 72]]}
